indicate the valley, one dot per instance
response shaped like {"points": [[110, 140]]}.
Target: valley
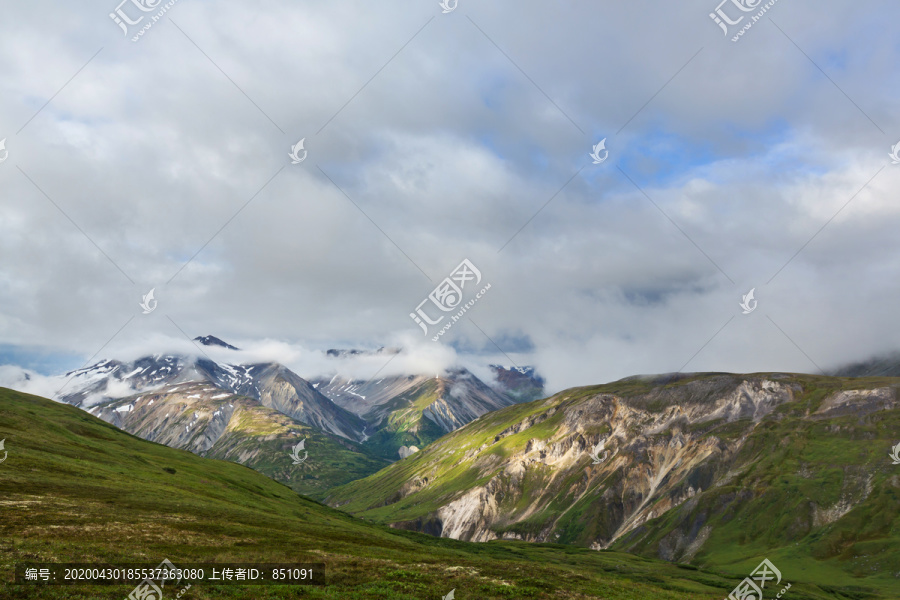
{"points": [[714, 471], [255, 413], [77, 489]]}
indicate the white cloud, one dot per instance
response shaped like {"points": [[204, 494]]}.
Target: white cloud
{"points": [[449, 150], [29, 382]]}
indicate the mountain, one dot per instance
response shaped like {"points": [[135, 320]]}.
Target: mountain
{"points": [[254, 414], [112, 378], [711, 469], [385, 415], [412, 410], [521, 383], [204, 419], [211, 340], [76, 489], [274, 385], [279, 388], [251, 414]]}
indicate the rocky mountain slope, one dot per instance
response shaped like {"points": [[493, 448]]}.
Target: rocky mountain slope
{"points": [[709, 469], [415, 409], [214, 423], [274, 385], [279, 388], [252, 413]]}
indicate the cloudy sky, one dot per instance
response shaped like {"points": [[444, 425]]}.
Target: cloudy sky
{"points": [[431, 137]]}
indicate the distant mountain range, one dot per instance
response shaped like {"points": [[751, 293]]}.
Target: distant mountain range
{"points": [[271, 384], [254, 413]]}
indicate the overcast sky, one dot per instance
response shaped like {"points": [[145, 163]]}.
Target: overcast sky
{"points": [[435, 137]]}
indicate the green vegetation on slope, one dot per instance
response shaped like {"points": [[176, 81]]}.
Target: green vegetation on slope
{"points": [[792, 472], [76, 489], [405, 424], [262, 439], [793, 496]]}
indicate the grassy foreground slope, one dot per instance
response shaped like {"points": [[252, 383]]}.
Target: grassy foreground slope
{"points": [[74, 488]]}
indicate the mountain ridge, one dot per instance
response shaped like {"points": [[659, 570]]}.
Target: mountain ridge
{"points": [[381, 424], [272, 384], [659, 466]]}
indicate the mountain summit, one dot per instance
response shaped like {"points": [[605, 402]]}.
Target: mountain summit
{"points": [[211, 340]]}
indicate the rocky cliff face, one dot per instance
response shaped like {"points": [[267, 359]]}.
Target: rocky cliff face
{"points": [[279, 388], [655, 465], [648, 457]]}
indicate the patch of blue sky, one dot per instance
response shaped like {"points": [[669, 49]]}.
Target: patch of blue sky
{"points": [[43, 361]]}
